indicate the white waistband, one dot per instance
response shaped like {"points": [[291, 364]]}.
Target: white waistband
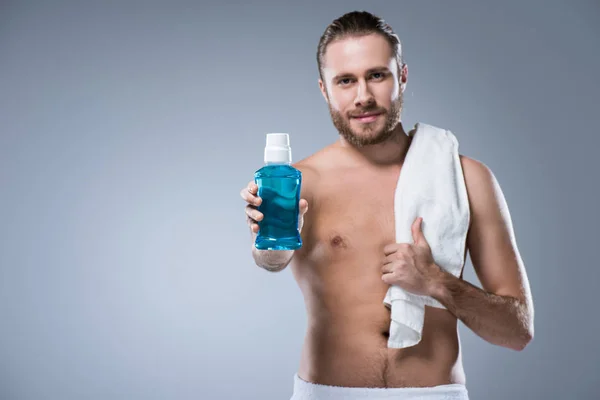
{"points": [[304, 390]]}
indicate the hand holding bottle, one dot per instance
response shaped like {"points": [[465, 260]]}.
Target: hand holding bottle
{"points": [[253, 216]]}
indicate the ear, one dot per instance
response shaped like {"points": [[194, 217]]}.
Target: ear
{"points": [[403, 77], [323, 91]]}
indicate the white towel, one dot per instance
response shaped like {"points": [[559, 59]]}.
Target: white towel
{"points": [[304, 390], [431, 185]]}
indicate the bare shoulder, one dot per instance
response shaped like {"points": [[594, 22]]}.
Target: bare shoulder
{"points": [[315, 166], [487, 203], [484, 191], [309, 170], [475, 171], [319, 160]]}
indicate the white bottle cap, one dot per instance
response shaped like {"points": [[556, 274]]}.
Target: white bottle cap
{"points": [[278, 148]]}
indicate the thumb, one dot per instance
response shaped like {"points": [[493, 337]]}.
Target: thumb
{"points": [[303, 206], [417, 232]]}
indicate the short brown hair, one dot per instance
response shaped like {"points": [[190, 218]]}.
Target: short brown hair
{"points": [[357, 23]]}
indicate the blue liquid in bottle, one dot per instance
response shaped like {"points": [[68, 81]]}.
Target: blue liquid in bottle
{"points": [[279, 187]]}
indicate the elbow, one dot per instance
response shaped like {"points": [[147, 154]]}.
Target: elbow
{"points": [[526, 332], [523, 340], [522, 343]]}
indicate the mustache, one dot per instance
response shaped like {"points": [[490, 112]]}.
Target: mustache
{"points": [[372, 109]]}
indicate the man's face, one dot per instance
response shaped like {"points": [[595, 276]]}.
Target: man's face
{"points": [[362, 88]]}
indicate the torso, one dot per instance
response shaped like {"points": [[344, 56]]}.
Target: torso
{"points": [[349, 221]]}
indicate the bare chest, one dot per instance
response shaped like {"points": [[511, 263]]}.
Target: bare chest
{"points": [[352, 215]]}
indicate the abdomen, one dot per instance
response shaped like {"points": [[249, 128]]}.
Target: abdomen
{"points": [[346, 339]]}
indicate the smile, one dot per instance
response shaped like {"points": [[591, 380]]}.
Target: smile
{"points": [[367, 119]]}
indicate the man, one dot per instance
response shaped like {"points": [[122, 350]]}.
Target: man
{"points": [[349, 258]]}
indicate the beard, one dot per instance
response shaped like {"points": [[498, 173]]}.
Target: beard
{"points": [[369, 134]]}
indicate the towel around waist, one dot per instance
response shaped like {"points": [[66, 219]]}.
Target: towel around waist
{"points": [[304, 390]]}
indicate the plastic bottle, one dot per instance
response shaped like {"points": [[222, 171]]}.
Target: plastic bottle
{"points": [[279, 187]]}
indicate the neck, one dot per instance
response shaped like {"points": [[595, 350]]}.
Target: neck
{"points": [[391, 151]]}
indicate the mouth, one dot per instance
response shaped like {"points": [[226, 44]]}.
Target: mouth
{"points": [[367, 117]]}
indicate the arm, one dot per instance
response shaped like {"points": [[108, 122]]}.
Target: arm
{"points": [[501, 313]]}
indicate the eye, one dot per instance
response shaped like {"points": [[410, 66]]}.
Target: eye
{"points": [[377, 75], [344, 81]]}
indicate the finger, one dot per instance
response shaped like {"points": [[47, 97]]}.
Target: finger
{"points": [[388, 278], [253, 213], [395, 265], [252, 187], [417, 232], [303, 206], [390, 258], [397, 248], [252, 224], [404, 251], [250, 198], [246, 195], [387, 268], [390, 249], [390, 273]]}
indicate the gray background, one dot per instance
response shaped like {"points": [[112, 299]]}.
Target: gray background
{"points": [[127, 131]]}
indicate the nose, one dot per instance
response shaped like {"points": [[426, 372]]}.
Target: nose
{"points": [[364, 97]]}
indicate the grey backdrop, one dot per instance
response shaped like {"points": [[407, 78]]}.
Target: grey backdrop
{"points": [[127, 130]]}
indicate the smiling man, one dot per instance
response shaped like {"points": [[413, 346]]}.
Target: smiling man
{"points": [[349, 258]]}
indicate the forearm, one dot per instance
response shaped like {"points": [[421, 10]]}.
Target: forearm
{"points": [[272, 260], [501, 320]]}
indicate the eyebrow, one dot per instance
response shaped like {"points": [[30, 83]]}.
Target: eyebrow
{"points": [[369, 71]]}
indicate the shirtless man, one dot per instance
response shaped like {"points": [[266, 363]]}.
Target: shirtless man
{"points": [[349, 258]]}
